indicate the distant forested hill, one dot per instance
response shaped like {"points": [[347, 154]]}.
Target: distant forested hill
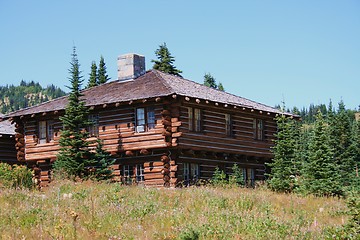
{"points": [[27, 94]]}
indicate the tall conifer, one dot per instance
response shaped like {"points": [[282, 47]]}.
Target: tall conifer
{"points": [[284, 167], [320, 173], [102, 76], [93, 76], [74, 157]]}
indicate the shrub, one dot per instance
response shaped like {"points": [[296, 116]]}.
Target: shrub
{"points": [[15, 176]]}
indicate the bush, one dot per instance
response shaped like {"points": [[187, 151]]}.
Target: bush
{"points": [[15, 176]]}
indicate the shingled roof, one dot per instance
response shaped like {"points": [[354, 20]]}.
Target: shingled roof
{"points": [[152, 84], [6, 127]]}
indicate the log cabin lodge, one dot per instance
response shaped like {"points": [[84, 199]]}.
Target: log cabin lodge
{"points": [[163, 130]]}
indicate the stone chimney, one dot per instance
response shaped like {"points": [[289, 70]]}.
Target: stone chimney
{"points": [[130, 66]]}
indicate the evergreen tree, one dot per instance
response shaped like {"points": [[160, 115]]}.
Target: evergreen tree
{"points": [[209, 81], [103, 163], [284, 167], [320, 173], [340, 141], [165, 62], [74, 158], [221, 87], [93, 76], [102, 76]]}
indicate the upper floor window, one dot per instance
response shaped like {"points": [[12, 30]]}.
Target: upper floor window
{"points": [[258, 126], [228, 124], [145, 119], [45, 131], [93, 129], [195, 119]]}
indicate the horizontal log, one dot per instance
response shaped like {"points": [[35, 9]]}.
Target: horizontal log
{"points": [[153, 176], [153, 164], [175, 135], [153, 170], [176, 124], [173, 168]]}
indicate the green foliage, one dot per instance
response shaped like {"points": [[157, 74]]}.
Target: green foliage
{"points": [[221, 87], [320, 173], [102, 77], [341, 141], [353, 204], [165, 62], [93, 76], [74, 158], [285, 165], [27, 94], [219, 178], [237, 176], [210, 81], [15, 176], [103, 161]]}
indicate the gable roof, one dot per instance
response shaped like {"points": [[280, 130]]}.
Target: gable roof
{"points": [[152, 84], [6, 127]]}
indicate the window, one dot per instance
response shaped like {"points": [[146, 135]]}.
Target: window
{"points": [[93, 129], [139, 172], [228, 125], [127, 173], [258, 129], [133, 172], [145, 119], [195, 119], [45, 131], [249, 176], [191, 173]]}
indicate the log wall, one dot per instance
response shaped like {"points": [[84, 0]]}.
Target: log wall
{"points": [[7, 149], [213, 136]]}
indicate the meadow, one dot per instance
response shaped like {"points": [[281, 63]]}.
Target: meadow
{"points": [[88, 210]]}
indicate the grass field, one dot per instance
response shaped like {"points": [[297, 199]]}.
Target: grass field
{"points": [[87, 210]]}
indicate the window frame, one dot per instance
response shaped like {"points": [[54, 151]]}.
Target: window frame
{"points": [[249, 176], [258, 127], [133, 173], [195, 117], [229, 125], [93, 128], [191, 173], [45, 131], [148, 119]]}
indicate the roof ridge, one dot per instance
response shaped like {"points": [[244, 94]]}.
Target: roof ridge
{"points": [[156, 72], [217, 90]]}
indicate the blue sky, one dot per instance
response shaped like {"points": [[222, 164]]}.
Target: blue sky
{"points": [[300, 51]]}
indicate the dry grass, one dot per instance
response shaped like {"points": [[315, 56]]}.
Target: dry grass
{"points": [[88, 210]]}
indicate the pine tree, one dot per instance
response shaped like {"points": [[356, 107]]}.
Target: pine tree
{"points": [[165, 62], [102, 76], [93, 76], [74, 158], [103, 163], [221, 87], [320, 173], [285, 166], [210, 81]]}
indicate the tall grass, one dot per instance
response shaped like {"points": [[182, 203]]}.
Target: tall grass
{"points": [[87, 210]]}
